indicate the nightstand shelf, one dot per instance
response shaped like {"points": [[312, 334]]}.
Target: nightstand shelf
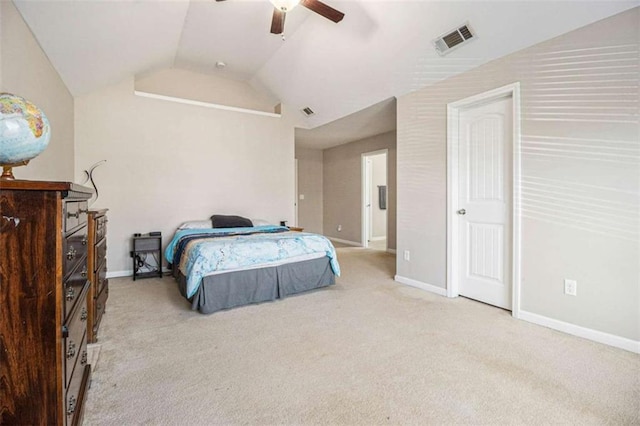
{"points": [[147, 256]]}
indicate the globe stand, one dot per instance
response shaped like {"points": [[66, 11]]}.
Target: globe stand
{"points": [[7, 172]]}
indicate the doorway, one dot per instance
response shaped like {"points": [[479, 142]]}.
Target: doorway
{"points": [[483, 227], [374, 199]]}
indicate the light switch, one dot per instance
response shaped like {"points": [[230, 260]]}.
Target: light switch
{"points": [[302, 196]]}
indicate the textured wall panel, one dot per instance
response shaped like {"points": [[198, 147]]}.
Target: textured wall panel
{"points": [[580, 173]]}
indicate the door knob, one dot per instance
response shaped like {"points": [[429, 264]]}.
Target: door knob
{"points": [[462, 212]]}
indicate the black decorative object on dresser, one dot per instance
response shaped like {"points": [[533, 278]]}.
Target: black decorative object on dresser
{"points": [[147, 255], [97, 261], [44, 371]]}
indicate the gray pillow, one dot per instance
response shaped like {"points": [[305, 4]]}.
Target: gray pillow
{"points": [[223, 221]]}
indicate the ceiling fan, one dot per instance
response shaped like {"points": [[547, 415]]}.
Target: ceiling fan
{"points": [[281, 7]]}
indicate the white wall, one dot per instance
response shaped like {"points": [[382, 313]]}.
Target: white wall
{"points": [[26, 71], [580, 173], [205, 88], [170, 162], [342, 187], [1, 38], [310, 185]]}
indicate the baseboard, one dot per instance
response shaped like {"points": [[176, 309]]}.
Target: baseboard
{"points": [[392, 251], [377, 238], [347, 242], [127, 273], [586, 333], [118, 274], [423, 286]]}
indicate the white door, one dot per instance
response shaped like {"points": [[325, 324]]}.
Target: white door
{"points": [[367, 200], [484, 204]]}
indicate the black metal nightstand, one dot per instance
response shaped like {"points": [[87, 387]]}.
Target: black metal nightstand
{"points": [[147, 255]]}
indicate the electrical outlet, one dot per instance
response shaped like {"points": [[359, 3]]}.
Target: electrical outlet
{"points": [[339, 228], [571, 287], [407, 255]]}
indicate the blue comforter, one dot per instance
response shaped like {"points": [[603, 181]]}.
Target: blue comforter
{"points": [[199, 252]]}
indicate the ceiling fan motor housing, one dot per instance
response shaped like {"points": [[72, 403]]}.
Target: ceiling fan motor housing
{"points": [[284, 5]]}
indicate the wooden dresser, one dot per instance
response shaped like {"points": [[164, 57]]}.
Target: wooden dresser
{"points": [[44, 373], [97, 260]]}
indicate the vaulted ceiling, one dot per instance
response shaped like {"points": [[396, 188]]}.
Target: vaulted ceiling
{"points": [[381, 49]]}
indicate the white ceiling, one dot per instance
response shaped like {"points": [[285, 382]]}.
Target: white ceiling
{"points": [[381, 49], [374, 120]]}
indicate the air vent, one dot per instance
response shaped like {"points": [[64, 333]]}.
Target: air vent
{"points": [[307, 111], [453, 39]]}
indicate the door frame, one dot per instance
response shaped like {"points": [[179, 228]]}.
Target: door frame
{"points": [[365, 218], [453, 134]]}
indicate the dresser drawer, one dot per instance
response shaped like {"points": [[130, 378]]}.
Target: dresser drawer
{"points": [[100, 304], [75, 395], [74, 332], [74, 249], [77, 362], [100, 251], [101, 277], [101, 228], [73, 287], [74, 214]]}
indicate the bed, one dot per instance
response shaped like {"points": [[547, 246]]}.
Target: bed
{"points": [[226, 267]]}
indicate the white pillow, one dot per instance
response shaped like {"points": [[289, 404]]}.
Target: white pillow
{"points": [[196, 224], [260, 222]]}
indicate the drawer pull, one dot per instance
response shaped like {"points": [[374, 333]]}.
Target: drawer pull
{"points": [[76, 214], [84, 273], [83, 358], [71, 405], [83, 314], [71, 293], [71, 254], [82, 211], [71, 351], [84, 241]]}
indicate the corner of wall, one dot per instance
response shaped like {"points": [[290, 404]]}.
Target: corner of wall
{"points": [[26, 70]]}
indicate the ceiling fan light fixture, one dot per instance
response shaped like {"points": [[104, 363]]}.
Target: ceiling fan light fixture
{"points": [[285, 5]]}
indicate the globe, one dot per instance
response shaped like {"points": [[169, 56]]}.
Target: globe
{"points": [[24, 132]]}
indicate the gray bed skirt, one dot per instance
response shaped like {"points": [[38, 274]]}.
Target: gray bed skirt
{"points": [[228, 290]]}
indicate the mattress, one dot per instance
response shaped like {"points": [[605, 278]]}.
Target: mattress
{"points": [[224, 268]]}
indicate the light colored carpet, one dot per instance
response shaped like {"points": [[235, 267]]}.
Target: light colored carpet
{"points": [[365, 351]]}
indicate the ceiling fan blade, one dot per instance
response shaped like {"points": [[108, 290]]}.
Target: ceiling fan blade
{"points": [[277, 22], [322, 9]]}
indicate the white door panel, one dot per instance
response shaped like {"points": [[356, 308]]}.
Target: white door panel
{"points": [[484, 186]]}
